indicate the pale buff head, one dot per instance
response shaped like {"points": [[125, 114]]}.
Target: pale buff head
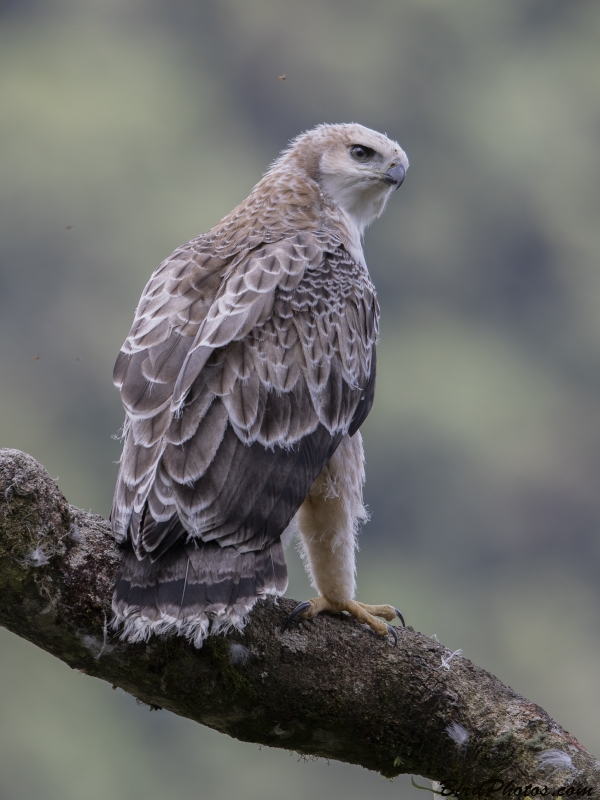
{"points": [[355, 168]]}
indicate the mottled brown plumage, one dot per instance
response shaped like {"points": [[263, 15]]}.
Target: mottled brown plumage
{"points": [[251, 357]]}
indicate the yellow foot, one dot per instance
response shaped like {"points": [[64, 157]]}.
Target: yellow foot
{"points": [[361, 611]]}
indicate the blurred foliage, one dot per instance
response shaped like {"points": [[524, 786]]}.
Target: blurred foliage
{"points": [[129, 127]]}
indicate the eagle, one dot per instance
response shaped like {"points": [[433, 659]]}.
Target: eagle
{"points": [[245, 377]]}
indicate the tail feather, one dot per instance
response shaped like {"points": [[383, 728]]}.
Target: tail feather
{"points": [[194, 589]]}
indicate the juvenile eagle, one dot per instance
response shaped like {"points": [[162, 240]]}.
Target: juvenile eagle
{"points": [[248, 370]]}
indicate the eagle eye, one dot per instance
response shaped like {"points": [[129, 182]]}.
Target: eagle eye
{"points": [[361, 152]]}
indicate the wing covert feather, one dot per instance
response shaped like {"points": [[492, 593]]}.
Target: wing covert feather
{"points": [[241, 374]]}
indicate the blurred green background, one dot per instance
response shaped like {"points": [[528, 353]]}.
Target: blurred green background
{"points": [[128, 127]]}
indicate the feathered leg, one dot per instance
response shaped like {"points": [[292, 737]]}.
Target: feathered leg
{"points": [[328, 522]]}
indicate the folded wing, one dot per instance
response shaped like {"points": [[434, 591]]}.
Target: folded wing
{"points": [[242, 371]]}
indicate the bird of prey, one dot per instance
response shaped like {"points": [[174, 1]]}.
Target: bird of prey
{"points": [[246, 375]]}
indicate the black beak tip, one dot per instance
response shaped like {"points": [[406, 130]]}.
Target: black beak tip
{"points": [[395, 176]]}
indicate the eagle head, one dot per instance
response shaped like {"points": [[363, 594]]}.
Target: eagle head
{"points": [[356, 168]]}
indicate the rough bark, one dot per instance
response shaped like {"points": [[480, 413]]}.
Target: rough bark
{"points": [[327, 688]]}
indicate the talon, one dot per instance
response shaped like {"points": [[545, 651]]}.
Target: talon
{"points": [[400, 617], [300, 609], [394, 634]]}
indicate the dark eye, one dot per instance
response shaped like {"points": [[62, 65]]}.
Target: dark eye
{"points": [[360, 152]]}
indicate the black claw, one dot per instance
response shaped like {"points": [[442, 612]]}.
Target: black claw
{"points": [[400, 617], [394, 634], [300, 609]]}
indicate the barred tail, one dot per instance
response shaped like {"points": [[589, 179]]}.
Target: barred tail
{"points": [[194, 590]]}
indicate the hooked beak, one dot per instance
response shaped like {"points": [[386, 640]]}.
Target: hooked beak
{"points": [[395, 176]]}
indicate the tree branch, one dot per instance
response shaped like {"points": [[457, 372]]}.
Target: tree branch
{"points": [[327, 688]]}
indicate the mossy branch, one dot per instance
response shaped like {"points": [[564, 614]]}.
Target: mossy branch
{"points": [[328, 688]]}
